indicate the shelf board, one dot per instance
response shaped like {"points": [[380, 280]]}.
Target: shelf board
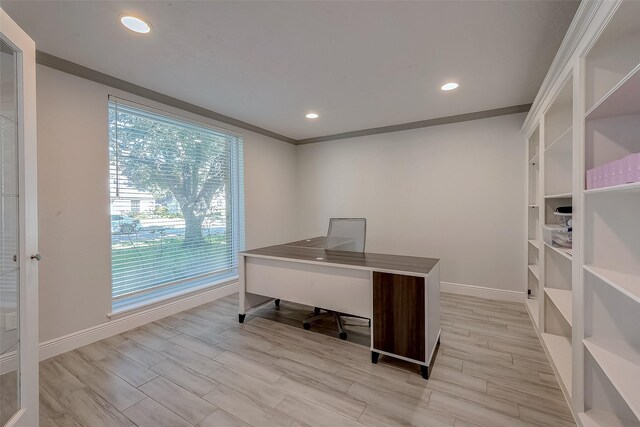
{"points": [[533, 307], [562, 299], [622, 100], [562, 144], [565, 252], [596, 418], [534, 206], [634, 187], [559, 196], [559, 349], [535, 269], [628, 284], [623, 373], [535, 243]]}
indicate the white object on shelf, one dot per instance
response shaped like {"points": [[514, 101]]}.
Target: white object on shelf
{"points": [[549, 230], [628, 284], [562, 299], [559, 349], [559, 196], [623, 372], [535, 269]]}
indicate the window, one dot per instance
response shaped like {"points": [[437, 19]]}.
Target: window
{"points": [[176, 197]]}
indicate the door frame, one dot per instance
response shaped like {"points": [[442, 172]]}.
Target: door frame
{"points": [[28, 414]]}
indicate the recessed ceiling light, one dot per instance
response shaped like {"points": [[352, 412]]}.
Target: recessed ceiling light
{"points": [[135, 24], [312, 115], [449, 86]]}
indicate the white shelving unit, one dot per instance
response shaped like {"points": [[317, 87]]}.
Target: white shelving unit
{"points": [[533, 237], [587, 309]]}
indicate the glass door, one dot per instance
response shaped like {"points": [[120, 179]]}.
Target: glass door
{"points": [[18, 229]]}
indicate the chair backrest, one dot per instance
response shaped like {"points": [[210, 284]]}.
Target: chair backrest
{"points": [[347, 234]]}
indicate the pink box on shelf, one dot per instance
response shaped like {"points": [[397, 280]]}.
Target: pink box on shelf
{"points": [[590, 179], [633, 168], [621, 172], [607, 174], [598, 179]]}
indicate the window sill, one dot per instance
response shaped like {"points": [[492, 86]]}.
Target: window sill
{"points": [[127, 307]]}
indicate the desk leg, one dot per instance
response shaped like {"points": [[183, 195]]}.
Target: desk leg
{"points": [[241, 292], [424, 370], [374, 356]]}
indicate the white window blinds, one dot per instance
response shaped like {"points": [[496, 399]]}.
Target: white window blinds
{"points": [[176, 194]]}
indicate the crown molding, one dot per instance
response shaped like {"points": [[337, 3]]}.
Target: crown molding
{"points": [[515, 109], [78, 70], [60, 64]]}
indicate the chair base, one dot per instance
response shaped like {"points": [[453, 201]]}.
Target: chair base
{"points": [[317, 315]]}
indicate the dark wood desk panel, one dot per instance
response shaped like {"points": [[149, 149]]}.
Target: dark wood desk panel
{"points": [[313, 249], [399, 315]]}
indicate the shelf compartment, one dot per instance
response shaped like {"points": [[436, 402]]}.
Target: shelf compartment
{"points": [[535, 270], [623, 373], [533, 306], [534, 243], [612, 339], [565, 252], [612, 235], [622, 100], [559, 115], [624, 188], [603, 402], [534, 145], [598, 418], [562, 144], [628, 284], [614, 55], [557, 271], [559, 351], [562, 299]]}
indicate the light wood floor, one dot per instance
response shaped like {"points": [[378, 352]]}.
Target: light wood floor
{"points": [[200, 367]]}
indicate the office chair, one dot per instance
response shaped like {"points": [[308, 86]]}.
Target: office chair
{"points": [[345, 234]]}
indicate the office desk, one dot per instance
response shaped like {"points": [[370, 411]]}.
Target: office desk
{"points": [[400, 294]]}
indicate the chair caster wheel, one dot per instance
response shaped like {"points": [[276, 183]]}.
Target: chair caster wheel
{"points": [[316, 311], [277, 301], [306, 326], [343, 335]]}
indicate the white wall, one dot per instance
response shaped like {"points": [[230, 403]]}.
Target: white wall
{"points": [[453, 192], [73, 199]]}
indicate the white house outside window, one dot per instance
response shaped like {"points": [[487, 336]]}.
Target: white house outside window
{"points": [[176, 197]]}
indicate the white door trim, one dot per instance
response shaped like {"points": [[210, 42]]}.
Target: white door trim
{"points": [[27, 416]]}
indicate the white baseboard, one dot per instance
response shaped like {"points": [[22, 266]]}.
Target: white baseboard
{"points": [[87, 336], [483, 292]]}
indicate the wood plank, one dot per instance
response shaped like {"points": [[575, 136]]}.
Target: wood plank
{"points": [[184, 403], [186, 378], [149, 413], [242, 407]]}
